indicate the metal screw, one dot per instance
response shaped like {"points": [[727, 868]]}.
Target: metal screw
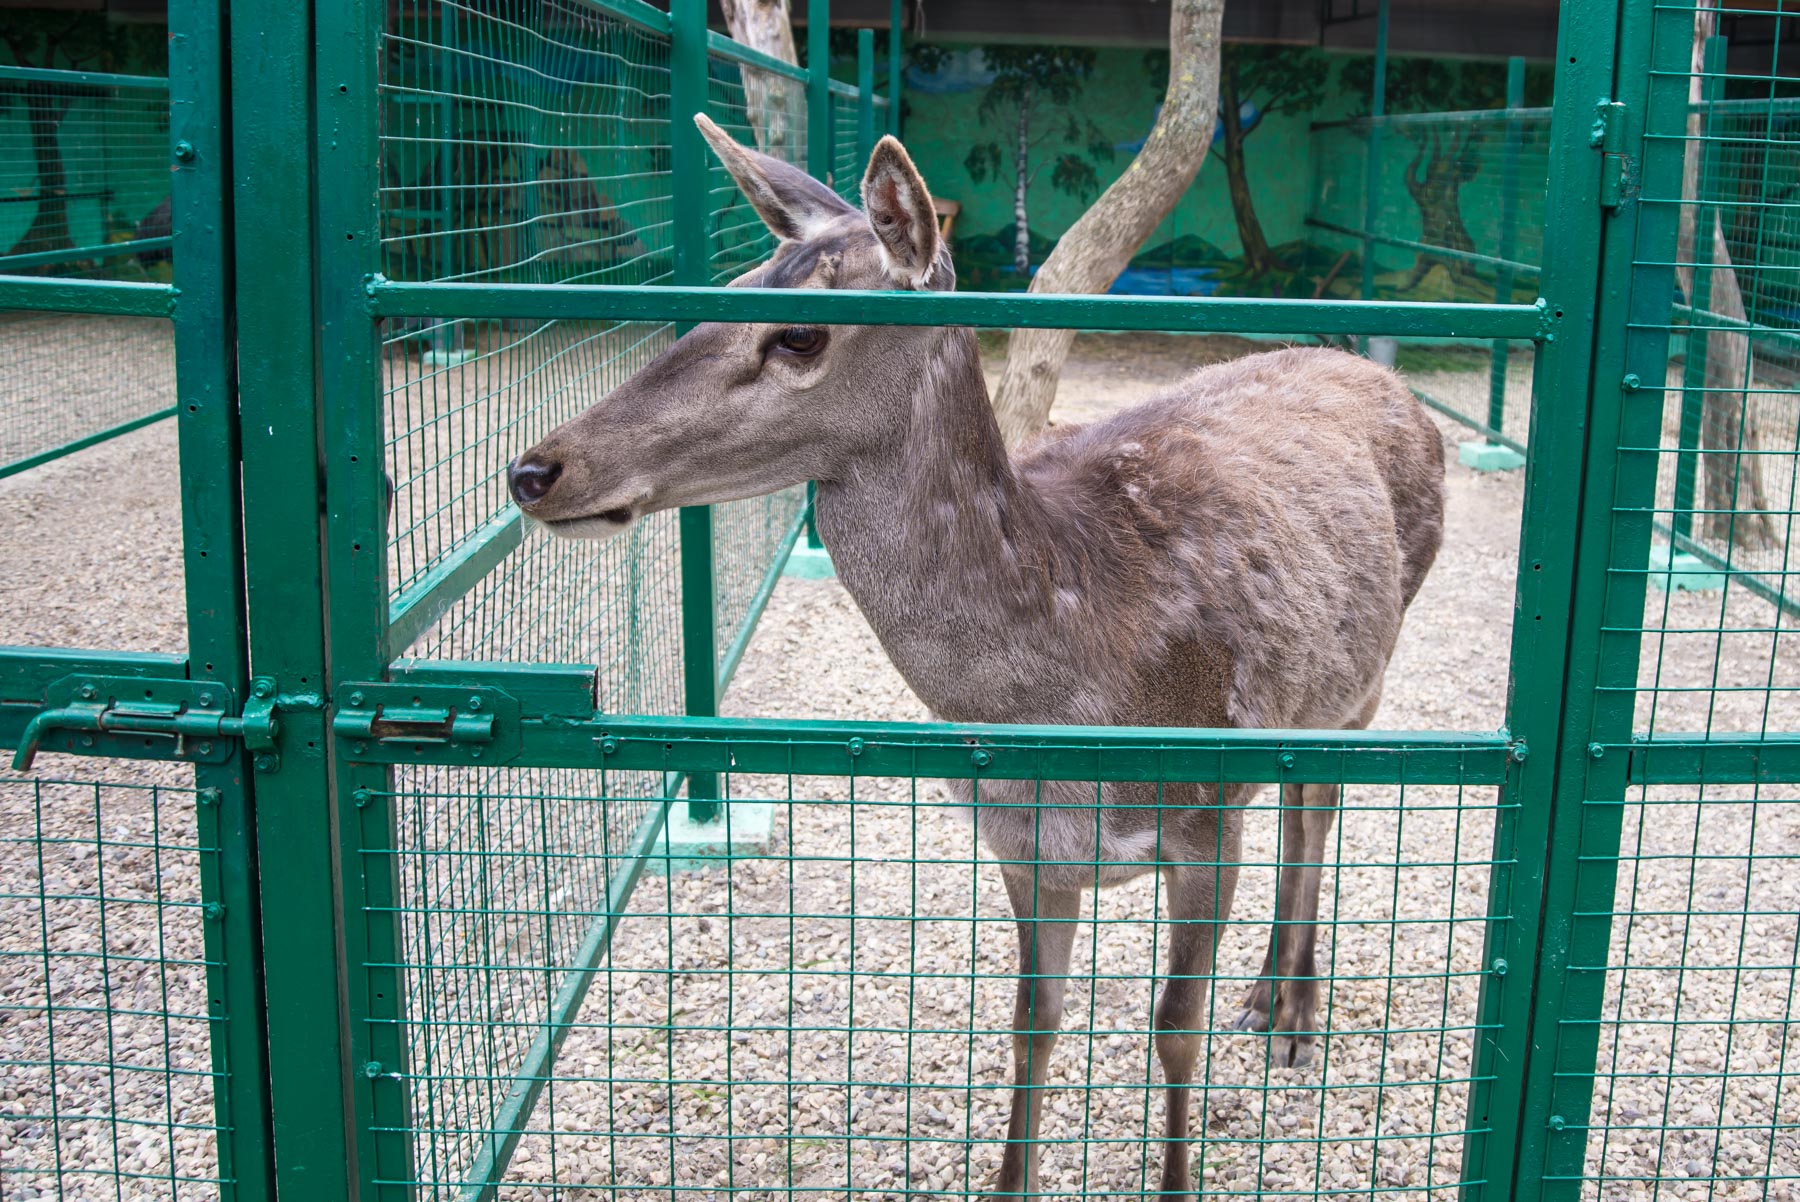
{"points": [[267, 762], [1287, 759], [372, 1069], [356, 698], [1520, 752], [208, 797], [359, 748], [608, 745], [1557, 1123], [361, 797], [203, 748], [213, 910], [87, 740], [1597, 750], [206, 700], [982, 759], [474, 703], [1631, 382], [1499, 968], [184, 150], [856, 746], [475, 754], [86, 692], [264, 687]]}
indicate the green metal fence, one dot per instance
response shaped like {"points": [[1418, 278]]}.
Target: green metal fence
{"points": [[84, 181], [413, 930]]}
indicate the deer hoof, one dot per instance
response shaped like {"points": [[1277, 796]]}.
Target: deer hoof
{"points": [[1291, 1051], [1252, 1019]]}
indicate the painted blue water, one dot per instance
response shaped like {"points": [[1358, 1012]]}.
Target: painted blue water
{"points": [[1167, 281]]}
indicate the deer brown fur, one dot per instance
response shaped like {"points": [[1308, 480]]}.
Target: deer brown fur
{"points": [[1238, 552]]}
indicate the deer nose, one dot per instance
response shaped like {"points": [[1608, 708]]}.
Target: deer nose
{"points": [[531, 480]]}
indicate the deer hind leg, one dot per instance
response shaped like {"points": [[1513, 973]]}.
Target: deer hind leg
{"points": [[1199, 902], [1046, 937], [1284, 1000]]}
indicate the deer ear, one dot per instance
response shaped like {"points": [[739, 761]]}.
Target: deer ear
{"points": [[901, 214], [793, 204]]}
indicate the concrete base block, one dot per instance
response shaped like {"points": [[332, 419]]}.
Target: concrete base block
{"points": [[686, 845], [1488, 457], [445, 358], [809, 563], [1678, 571]]}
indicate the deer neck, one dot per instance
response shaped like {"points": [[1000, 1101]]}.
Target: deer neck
{"points": [[947, 552]]}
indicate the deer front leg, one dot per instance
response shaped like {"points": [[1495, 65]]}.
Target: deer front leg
{"points": [[1046, 936], [1199, 902], [1285, 1000]]}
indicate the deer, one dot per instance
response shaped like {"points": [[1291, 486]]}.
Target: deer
{"points": [[1237, 552]]}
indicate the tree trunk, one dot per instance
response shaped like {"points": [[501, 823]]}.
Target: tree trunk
{"points": [[49, 229], [1090, 256], [776, 105], [1434, 180], [1022, 182], [1731, 481], [1259, 260]]}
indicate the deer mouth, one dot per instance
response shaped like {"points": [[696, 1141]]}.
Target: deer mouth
{"points": [[607, 523]]}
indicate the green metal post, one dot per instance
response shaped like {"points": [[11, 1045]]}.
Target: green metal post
{"points": [[818, 144], [347, 157], [1693, 371], [1611, 526], [818, 88], [865, 94], [212, 547], [1372, 171], [1506, 1135], [895, 14], [699, 586], [1509, 239], [272, 166]]}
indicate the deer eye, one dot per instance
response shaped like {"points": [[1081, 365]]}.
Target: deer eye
{"points": [[801, 340]]}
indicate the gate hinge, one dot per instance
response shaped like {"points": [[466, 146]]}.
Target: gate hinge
{"points": [[1608, 136], [387, 723]]}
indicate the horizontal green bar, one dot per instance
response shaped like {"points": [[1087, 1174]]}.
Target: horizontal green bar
{"points": [[997, 310], [105, 250], [1705, 320], [81, 444], [414, 611], [1079, 753], [83, 79], [86, 296], [717, 43], [741, 640], [1426, 248], [1460, 117], [634, 12], [838, 87], [1480, 427], [1744, 759]]}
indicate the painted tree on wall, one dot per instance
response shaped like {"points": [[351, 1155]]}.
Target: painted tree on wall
{"points": [[1445, 155], [1255, 83], [1031, 100], [70, 41]]}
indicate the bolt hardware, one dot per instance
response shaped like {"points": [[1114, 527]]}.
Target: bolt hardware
{"points": [[981, 758], [1287, 759], [268, 761], [184, 150], [856, 746], [474, 703], [1597, 750]]}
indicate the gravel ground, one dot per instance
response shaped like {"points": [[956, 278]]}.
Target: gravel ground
{"points": [[872, 1049]]}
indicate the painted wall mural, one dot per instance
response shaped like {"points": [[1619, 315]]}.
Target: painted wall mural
{"points": [[1024, 137]]}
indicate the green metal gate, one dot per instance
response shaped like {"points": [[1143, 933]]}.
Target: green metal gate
{"points": [[443, 953]]}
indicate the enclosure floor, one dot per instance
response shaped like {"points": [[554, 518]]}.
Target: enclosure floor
{"points": [[93, 559]]}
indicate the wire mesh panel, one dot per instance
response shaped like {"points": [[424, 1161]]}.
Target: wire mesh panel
{"points": [[846, 154], [834, 1020], [84, 174], [106, 1019]]}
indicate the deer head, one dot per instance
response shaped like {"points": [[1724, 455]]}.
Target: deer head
{"points": [[733, 410]]}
